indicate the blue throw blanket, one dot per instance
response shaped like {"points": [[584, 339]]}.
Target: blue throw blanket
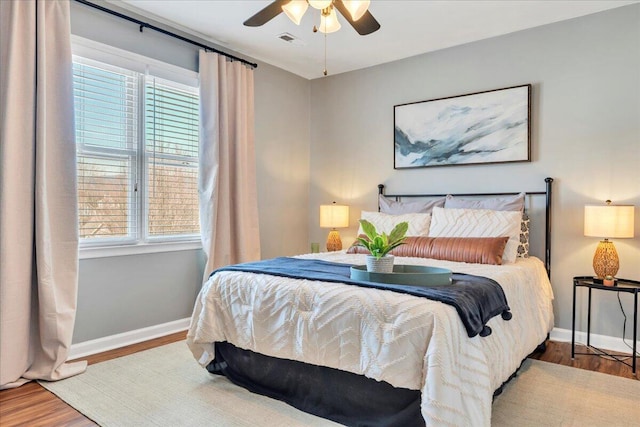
{"points": [[476, 299]]}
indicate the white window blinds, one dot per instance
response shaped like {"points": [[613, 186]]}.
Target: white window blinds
{"points": [[137, 143], [171, 153], [106, 138]]}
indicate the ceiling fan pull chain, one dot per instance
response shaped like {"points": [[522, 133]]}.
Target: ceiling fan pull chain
{"points": [[325, 54]]}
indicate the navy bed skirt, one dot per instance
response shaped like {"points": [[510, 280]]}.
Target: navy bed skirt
{"points": [[343, 397], [340, 396]]}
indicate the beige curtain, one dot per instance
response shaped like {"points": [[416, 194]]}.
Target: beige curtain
{"points": [[227, 174], [38, 199]]}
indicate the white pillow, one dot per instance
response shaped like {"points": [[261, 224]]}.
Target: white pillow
{"points": [[478, 223], [384, 223]]}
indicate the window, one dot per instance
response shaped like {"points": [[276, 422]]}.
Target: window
{"points": [[137, 147], [171, 160]]}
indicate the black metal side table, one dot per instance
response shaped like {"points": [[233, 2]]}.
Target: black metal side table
{"points": [[621, 285]]}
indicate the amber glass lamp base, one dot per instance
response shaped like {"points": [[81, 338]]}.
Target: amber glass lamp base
{"points": [[333, 241], [605, 260]]}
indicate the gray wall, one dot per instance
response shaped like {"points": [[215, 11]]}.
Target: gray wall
{"points": [[124, 293], [585, 133]]}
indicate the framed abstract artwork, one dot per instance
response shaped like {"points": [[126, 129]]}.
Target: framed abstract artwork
{"points": [[493, 126]]}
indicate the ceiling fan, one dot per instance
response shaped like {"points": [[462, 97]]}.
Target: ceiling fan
{"points": [[355, 12]]}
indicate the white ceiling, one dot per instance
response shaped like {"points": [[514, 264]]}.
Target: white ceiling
{"points": [[408, 28]]}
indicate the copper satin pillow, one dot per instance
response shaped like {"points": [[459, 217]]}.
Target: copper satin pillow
{"points": [[476, 250]]}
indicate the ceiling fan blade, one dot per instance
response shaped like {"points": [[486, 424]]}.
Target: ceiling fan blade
{"points": [[367, 24], [266, 14]]}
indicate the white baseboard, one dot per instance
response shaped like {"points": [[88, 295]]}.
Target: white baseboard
{"points": [[602, 341], [99, 345]]}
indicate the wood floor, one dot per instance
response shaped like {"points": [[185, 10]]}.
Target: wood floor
{"points": [[33, 406]]}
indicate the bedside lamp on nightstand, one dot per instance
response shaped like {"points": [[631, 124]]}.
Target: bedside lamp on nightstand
{"points": [[334, 216], [605, 221]]}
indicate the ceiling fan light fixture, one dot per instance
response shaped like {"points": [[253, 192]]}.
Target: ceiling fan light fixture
{"points": [[365, 24], [329, 22], [356, 8], [320, 4], [295, 9]]}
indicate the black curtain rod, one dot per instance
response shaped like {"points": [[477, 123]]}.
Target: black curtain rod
{"points": [[168, 33]]}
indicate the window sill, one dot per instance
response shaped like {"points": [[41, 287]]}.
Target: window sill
{"points": [[147, 248]]}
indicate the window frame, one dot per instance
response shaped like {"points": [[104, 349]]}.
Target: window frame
{"points": [[139, 242]]}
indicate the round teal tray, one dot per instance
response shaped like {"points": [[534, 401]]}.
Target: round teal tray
{"points": [[414, 275]]}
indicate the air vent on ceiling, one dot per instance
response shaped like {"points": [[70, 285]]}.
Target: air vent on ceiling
{"points": [[290, 38]]}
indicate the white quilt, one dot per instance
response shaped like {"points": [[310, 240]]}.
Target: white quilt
{"points": [[407, 341]]}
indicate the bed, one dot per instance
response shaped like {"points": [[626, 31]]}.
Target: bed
{"points": [[362, 356]]}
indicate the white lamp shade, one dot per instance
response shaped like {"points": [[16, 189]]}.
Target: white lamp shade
{"points": [[295, 9], [356, 8], [334, 216], [608, 221], [329, 23], [320, 4]]}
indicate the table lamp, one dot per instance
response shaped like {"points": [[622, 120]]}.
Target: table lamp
{"points": [[607, 221], [334, 216]]}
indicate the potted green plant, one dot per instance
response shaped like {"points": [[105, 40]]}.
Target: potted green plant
{"points": [[380, 244]]}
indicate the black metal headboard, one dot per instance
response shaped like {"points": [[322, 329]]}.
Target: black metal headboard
{"points": [[546, 193]]}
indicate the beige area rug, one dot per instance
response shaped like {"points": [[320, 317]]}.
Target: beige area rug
{"points": [[546, 394], [166, 387]]}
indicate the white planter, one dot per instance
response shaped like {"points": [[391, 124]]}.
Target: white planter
{"points": [[380, 265]]}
